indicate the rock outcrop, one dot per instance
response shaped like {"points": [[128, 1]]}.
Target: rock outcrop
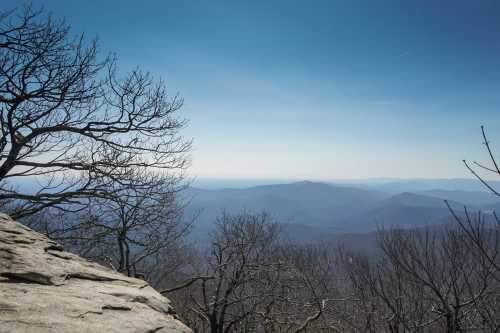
{"points": [[45, 289]]}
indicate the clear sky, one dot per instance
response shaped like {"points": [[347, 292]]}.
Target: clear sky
{"points": [[315, 89]]}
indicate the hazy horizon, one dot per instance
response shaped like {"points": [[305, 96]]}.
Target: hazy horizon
{"points": [[221, 183]]}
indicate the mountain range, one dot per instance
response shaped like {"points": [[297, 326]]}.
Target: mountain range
{"points": [[314, 210]]}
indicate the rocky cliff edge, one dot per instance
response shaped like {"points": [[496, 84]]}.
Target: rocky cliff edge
{"points": [[45, 289]]}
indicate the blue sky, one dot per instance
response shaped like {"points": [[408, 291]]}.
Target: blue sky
{"points": [[315, 89]]}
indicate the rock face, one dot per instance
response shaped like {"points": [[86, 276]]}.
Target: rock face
{"points": [[44, 289]]}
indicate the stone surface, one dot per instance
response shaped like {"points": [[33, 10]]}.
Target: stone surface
{"points": [[44, 289]]}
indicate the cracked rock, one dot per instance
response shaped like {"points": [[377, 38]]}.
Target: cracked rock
{"points": [[46, 290]]}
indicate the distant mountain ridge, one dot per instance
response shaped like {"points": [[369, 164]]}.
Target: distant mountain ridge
{"points": [[315, 209], [473, 198], [407, 210], [418, 185], [307, 203], [312, 210]]}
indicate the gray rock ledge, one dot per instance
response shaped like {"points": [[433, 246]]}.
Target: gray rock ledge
{"points": [[45, 289]]}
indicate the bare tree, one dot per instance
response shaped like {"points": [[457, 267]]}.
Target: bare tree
{"points": [[72, 123], [251, 280], [483, 232], [302, 291], [222, 299], [136, 232], [427, 280]]}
